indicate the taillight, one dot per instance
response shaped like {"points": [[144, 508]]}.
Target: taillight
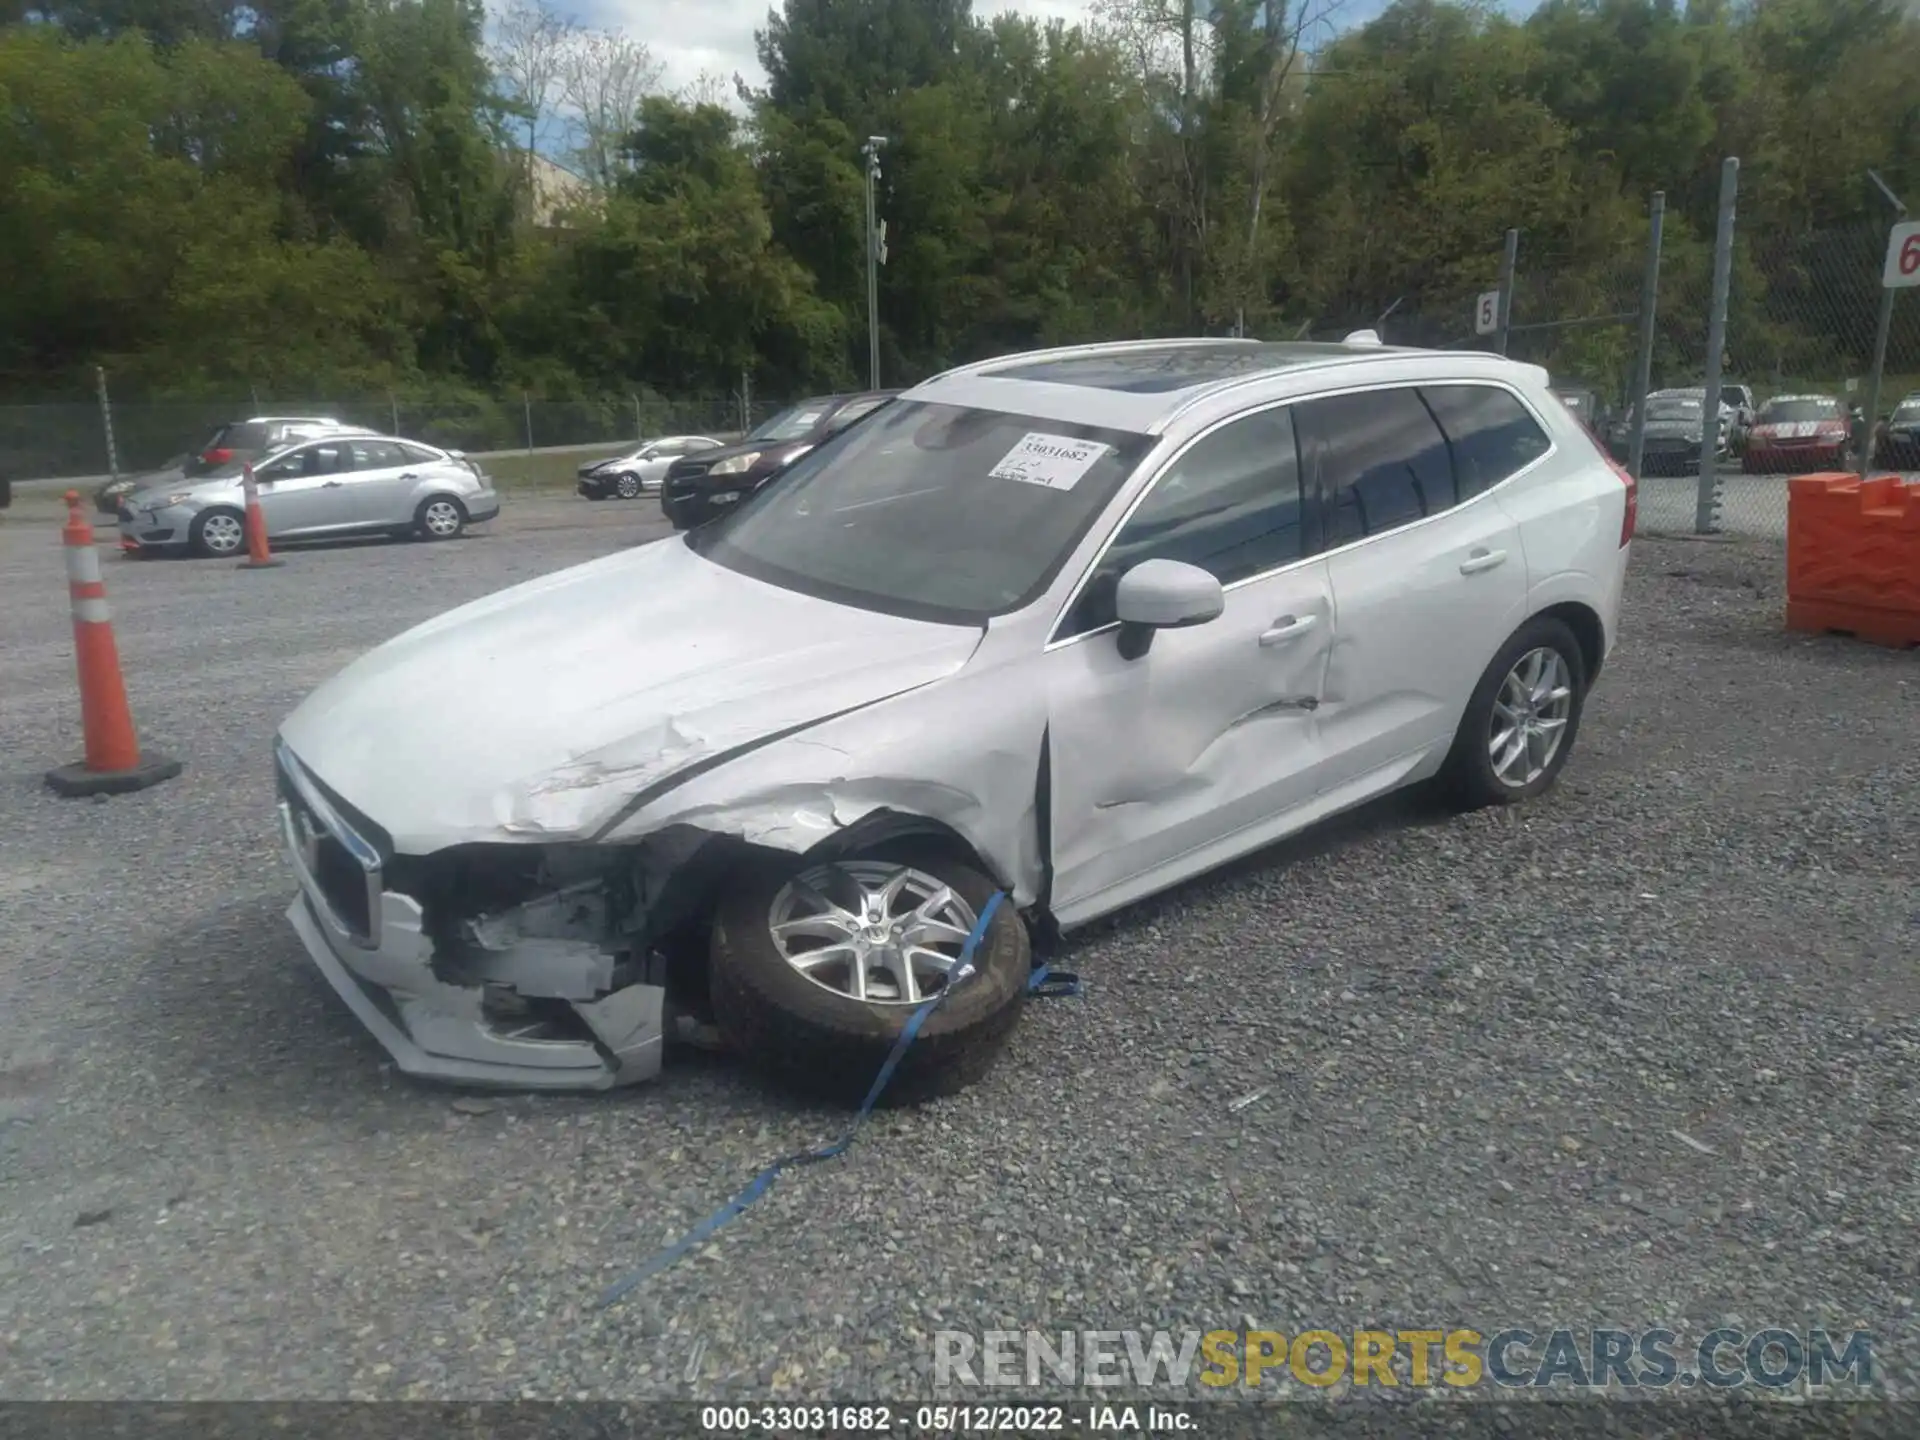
{"points": [[1632, 515], [217, 457]]}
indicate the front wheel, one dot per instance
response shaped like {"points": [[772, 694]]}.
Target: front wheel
{"points": [[627, 486], [1521, 721], [217, 534], [816, 969], [440, 517]]}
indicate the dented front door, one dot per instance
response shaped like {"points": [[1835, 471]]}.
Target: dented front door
{"points": [[1159, 763]]}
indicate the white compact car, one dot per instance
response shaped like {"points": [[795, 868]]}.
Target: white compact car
{"points": [[1072, 626]]}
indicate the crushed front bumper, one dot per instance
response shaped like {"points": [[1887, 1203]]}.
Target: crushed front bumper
{"points": [[378, 957]]}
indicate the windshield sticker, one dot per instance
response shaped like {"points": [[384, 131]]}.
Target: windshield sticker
{"points": [[1055, 461]]}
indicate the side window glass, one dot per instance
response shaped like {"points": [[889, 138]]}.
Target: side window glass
{"points": [[374, 455], [1379, 458], [325, 460], [284, 468], [1491, 432], [414, 455], [1230, 505]]}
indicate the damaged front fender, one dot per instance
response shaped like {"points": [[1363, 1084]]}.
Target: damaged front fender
{"points": [[975, 777]]}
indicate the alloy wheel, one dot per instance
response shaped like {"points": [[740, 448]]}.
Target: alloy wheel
{"points": [[873, 931], [1530, 714]]}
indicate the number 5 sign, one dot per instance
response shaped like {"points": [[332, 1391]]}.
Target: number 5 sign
{"points": [[1486, 310], [1903, 257]]}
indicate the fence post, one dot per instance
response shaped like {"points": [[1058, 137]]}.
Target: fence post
{"points": [[639, 425], [1707, 498], [1649, 306], [526, 405], [393, 409], [106, 420], [746, 402], [1509, 262]]}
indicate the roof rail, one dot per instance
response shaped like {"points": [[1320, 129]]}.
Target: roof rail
{"points": [[1100, 347]]}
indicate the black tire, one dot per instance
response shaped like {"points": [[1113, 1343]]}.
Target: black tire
{"points": [[1468, 778], [830, 1045], [425, 518], [627, 485], [218, 548]]}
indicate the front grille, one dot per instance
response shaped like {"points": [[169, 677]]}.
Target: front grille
{"points": [[348, 881], [344, 882]]}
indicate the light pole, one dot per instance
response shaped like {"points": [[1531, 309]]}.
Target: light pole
{"points": [[875, 256]]}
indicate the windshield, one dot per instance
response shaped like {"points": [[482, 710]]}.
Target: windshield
{"points": [[1794, 412], [793, 422], [933, 511], [1907, 410], [1673, 409]]}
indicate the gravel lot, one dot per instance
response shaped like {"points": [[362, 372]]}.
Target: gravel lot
{"points": [[1476, 1036]]}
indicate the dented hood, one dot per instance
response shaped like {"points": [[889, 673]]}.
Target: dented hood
{"points": [[537, 713]]}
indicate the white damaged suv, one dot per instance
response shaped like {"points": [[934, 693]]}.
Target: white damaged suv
{"points": [[1073, 625]]}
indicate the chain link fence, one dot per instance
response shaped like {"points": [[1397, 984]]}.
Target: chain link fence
{"points": [[104, 435], [1628, 335]]}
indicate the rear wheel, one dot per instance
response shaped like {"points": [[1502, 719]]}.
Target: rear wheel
{"points": [[1521, 721], [440, 517], [816, 969], [218, 533]]}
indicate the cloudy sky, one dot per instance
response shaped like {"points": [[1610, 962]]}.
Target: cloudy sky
{"points": [[692, 36]]}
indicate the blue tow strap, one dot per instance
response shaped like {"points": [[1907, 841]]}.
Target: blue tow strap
{"points": [[1045, 982]]}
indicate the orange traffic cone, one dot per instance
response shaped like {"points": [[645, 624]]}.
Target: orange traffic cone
{"points": [[259, 557], [113, 765]]}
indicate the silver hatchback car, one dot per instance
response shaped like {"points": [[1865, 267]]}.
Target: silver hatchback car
{"points": [[335, 485]]}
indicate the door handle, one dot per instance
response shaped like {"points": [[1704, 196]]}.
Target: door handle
{"points": [[1482, 560], [1288, 627], [409, 476], [333, 485]]}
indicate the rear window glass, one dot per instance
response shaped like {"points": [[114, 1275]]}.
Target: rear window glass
{"points": [[238, 437], [1789, 412], [1672, 409]]}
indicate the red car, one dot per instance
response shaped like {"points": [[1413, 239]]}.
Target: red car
{"points": [[1798, 433]]}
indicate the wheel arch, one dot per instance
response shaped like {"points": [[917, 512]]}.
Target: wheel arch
{"points": [[1587, 627]]}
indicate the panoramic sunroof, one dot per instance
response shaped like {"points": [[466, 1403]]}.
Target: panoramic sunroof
{"points": [[1154, 372]]}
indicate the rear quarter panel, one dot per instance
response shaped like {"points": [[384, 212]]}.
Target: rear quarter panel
{"points": [[1570, 510]]}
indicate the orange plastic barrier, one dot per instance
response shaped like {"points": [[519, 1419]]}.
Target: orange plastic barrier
{"points": [[1853, 557]]}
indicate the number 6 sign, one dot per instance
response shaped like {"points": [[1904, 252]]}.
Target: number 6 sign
{"points": [[1486, 312], [1903, 257]]}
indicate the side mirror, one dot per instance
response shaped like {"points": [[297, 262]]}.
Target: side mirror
{"points": [[1163, 595]]}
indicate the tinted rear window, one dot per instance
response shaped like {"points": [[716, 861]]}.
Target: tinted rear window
{"points": [[238, 437], [1794, 412], [1492, 434]]}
